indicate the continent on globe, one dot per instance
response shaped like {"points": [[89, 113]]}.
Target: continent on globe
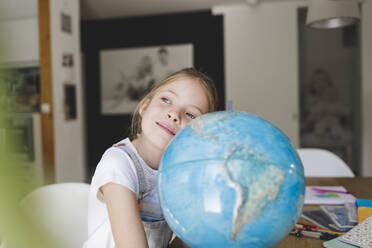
{"points": [[253, 193]]}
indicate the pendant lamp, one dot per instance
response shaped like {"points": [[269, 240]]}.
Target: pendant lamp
{"points": [[327, 14]]}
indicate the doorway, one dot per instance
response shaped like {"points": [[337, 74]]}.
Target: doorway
{"points": [[329, 64]]}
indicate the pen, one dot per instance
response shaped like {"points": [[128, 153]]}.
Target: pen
{"points": [[312, 228], [313, 234], [328, 231], [330, 191], [305, 228], [328, 236], [305, 225], [300, 233]]}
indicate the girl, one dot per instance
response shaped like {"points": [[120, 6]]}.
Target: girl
{"points": [[124, 209]]}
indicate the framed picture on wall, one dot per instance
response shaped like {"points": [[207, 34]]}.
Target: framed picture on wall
{"points": [[70, 102], [128, 73], [20, 89]]}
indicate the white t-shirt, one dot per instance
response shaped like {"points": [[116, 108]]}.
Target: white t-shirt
{"points": [[116, 166]]}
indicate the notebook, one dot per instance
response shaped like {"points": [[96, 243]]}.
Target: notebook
{"points": [[359, 236], [323, 195], [337, 243]]}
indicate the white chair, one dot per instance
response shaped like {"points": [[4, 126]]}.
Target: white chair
{"points": [[61, 210], [323, 163]]}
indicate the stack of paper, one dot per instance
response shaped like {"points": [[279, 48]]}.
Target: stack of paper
{"points": [[359, 236], [321, 195]]}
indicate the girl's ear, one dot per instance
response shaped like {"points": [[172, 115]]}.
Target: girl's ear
{"points": [[143, 105]]}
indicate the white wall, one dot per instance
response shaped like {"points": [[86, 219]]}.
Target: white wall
{"points": [[366, 54], [261, 62], [69, 134], [262, 71], [19, 42]]}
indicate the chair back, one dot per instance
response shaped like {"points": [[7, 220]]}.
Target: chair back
{"points": [[61, 210], [323, 163]]}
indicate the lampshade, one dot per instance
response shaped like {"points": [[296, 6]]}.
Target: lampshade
{"points": [[325, 14]]}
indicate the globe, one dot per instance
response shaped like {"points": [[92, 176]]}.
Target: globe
{"points": [[231, 179]]}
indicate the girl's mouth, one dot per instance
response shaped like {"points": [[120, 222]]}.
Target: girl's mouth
{"points": [[167, 129]]}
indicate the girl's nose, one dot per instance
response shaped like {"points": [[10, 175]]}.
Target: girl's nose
{"points": [[173, 115]]}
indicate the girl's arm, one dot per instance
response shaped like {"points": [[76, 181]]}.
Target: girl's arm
{"points": [[125, 220]]}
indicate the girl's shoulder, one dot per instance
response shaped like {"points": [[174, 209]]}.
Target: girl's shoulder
{"points": [[113, 154], [122, 145], [117, 167], [115, 157]]}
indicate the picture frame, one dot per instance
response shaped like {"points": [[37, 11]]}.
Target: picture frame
{"points": [[70, 105], [20, 89], [127, 74]]}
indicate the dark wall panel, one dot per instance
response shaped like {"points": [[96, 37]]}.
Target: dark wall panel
{"points": [[202, 29]]}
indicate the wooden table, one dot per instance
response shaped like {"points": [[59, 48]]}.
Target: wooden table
{"points": [[361, 187]]}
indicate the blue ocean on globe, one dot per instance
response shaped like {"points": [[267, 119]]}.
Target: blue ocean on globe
{"points": [[231, 179]]}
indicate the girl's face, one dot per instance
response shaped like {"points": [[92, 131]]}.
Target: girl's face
{"points": [[172, 107]]}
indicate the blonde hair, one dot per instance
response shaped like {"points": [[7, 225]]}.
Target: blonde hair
{"points": [[205, 81]]}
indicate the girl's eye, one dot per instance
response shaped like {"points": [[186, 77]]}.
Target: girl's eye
{"points": [[191, 115], [166, 100]]}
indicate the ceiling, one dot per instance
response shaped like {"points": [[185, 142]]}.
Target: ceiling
{"points": [[93, 9], [99, 9]]}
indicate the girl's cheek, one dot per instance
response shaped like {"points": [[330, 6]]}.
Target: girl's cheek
{"points": [[184, 125]]}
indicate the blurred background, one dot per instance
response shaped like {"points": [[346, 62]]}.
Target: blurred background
{"points": [[56, 70]]}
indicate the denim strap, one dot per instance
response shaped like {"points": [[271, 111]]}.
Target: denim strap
{"points": [[139, 169]]}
